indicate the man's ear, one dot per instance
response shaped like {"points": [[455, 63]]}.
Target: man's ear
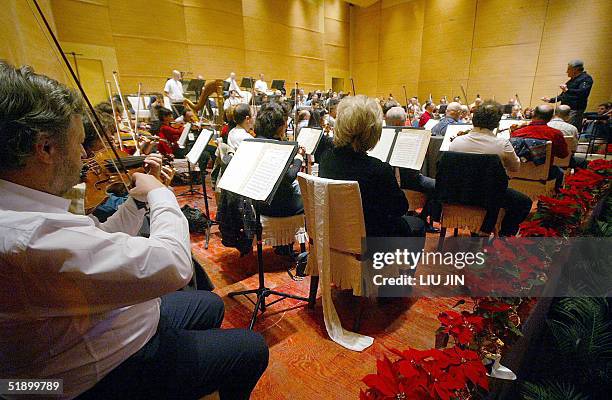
{"points": [[45, 149]]}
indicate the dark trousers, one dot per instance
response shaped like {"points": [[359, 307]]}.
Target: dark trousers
{"points": [[557, 174], [413, 180], [576, 118], [189, 356], [517, 206]]}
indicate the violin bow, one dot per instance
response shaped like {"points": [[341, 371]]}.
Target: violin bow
{"points": [[110, 99], [125, 109], [464, 95], [405, 96], [353, 86], [99, 127]]}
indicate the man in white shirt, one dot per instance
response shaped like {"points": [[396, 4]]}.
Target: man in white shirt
{"points": [[244, 122], [93, 304], [261, 87], [560, 122], [174, 88], [232, 100], [482, 140]]}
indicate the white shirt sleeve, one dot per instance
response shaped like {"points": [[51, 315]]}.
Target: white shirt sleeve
{"points": [[104, 271], [167, 87], [510, 160]]}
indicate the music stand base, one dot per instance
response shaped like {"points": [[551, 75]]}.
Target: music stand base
{"points": [[260, 304]]}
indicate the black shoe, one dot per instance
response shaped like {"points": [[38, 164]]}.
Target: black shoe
{"points": [[431, 229]]}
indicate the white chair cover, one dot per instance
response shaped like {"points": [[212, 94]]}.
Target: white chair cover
{"points": [[281, 231], [336, 233]]}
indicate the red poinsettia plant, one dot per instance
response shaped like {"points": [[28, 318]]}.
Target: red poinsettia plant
{"points": [[434, 374]]}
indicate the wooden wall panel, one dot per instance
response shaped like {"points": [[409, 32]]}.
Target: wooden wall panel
{"points": [[284, 39], [76, 19], [25, 43], [491, 47]]}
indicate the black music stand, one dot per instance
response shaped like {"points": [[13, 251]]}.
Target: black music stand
{"points": [[194, 156], [277, 84], [262, 292], [246, 83]]}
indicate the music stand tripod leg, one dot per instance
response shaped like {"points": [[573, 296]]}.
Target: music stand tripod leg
{"points": [[262, 291]]}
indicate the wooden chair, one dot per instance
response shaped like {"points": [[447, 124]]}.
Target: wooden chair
{"points": [[532, 180]]}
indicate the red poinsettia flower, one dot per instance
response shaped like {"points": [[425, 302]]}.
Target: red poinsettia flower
{"points": [[601, 165], [535, 228], [387, 380], [462, 327], [493, 306], [469, 367]]}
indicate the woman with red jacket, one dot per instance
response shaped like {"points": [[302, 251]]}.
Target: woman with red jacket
{"points": [[168, 135]]}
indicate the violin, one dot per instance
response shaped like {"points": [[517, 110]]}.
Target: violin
{"points": [[102, 177]]}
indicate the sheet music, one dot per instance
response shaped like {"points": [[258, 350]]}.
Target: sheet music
{"points": [[410, 149], [431, 123], [255, 168], [383, 147], [309, 139], [267, 173], [183, 137], [451, 133], [198, 147]]}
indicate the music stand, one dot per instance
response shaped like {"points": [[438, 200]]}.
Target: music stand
{"points": [[194, 155], [246, 83], [277, 84], [244, 188], [195, 85]]}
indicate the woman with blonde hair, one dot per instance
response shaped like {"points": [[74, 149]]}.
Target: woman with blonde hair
{"points": [[358, 129]]}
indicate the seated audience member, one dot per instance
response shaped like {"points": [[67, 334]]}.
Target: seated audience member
{"points": [[560, 122], [453, 111], [89, 303], [538, 129], [272, 124], [427, 114], [412, 179], [358, 129], [482, 140], [168, 135], [244, 123]]}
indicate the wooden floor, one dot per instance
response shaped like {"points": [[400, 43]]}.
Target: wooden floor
{"points": [[304, 362]]}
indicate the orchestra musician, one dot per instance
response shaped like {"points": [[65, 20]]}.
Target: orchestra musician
{"points": [[538, 129], [233, 99], [358, 129], [453, 110], [244, 124], [482, 140], [90, 303], [427, 114], [516, 112], [168, 134], [261, 87], [174, 90]]}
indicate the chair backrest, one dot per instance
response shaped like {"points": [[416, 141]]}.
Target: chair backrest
{"points": [[346, 223], [530, 171], [470, 179], [572, 143]]}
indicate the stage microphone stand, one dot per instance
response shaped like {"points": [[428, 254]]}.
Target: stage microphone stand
{"points": [[262, 291]]}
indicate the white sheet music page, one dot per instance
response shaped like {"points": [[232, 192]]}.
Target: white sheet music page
{"points": [[267, 172], [383, 147], [451, 133], [309, 139], [410, 149], [198, 147], [238, 172], [431, 123], [183, 138]]}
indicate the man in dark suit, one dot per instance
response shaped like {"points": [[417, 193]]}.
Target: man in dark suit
{"points": [[575, 92]]}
